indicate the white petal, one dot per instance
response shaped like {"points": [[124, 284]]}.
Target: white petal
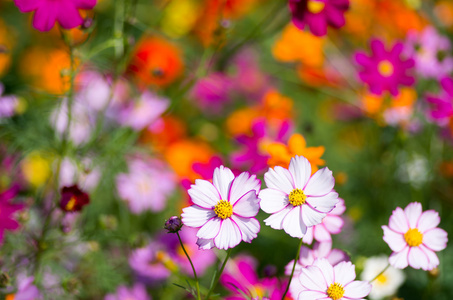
{"points": [[222, 179], [333, 224], [279, 179], [428, 220], [339, 208], [398, 221], [324, 203], [249, 227], [394, 239], [413, 212], [344, 273], [243, 184], [432, 257], [435, 239], [210, 229], [195, 216], [327, 270], [312, 278], [321, 234], [357, 289], [417, 258], [273, 200], [205, 244], [248, 205], [229, 235], [312, 295], [204, 194], [310, 216], [293, 224], [300, 168], [308, 237], [276, 220], [321, 183], [399, 259]]}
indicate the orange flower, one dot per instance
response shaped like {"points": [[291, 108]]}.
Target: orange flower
{"points": [[444, 12], [374, 105], [292, 46], [280, 154], [164, 132], [276, 106], [156, 62], [48, 69], [6, 45]]}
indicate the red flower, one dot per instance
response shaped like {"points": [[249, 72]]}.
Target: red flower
{"points": [[73, 199]]}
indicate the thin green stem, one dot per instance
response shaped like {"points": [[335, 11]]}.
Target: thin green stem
{"points": [[294, 267], [382, 272], [193, 268], [217, 277]]}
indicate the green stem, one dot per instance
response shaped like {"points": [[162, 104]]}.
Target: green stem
{"points": [[294, 267], [193, 268], [382, 272], [217, 277]]}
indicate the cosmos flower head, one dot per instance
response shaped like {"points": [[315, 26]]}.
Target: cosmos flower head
{"points": [[296, 199], [318, 14], [48, 12], [414, 237], [385, 70], [73, 199], [7, 210], [324, 281], [137, 292], [441, 106], [224, 210]]}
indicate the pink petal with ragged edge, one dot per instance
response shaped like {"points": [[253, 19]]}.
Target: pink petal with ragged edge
{"points": [[249, 227], [273, 200], [279, 179], [300, 169], [435, 239], [229, 235], [222, 179], [394, 239], [241, 185], [320, 184], [247, 206]]}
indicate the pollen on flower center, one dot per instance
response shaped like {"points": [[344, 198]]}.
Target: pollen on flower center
{"points": [[297, 197], [413, 237], [335, 291], [381, 279], [223, 209], [385, 68], [71, 203], [315, 7]]}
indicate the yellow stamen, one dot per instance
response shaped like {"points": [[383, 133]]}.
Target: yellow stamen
{"points": [[297, 197], [223, 209], [413, 237], [381, 279], [335, 291], [385, 68], [70, 205], [315, 7]]}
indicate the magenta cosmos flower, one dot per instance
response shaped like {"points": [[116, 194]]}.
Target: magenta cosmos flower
{"points": [[296, 199], [322, 281], [413, 237], [385, 70], [47, 12], [442, 105], [318, 14], [7, 210], [224, 210]]}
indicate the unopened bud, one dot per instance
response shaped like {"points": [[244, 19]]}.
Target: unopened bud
{"points": [[434, 273], [4, 280], [87, 23], [270, 271], [173, 224]]}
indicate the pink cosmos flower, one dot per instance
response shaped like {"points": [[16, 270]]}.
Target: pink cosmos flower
{"points": [[385, 70], [318, 14], [8, 104], [296, 199], [331, 224], [26, 290], [7, 210], [47, 12], [213, 93], [442, 105], [308, 256], [137, 292], [224, 210], [152, 264], [414, 238], [323, 281]]}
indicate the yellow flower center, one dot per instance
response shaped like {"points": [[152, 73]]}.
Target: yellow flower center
{"points": [[223, 209], [164, 258], [70, 205], [381, 279], [297, 197], [413, 237], [335, 291], [385, 68], [315, 7]]}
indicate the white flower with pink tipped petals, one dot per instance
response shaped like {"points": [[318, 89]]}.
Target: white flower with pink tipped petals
{"points": [[323, 281], [224, 210], [296, 199], [414, 237]]}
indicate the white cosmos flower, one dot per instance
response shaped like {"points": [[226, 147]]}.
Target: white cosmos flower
{"points": [[224, 210], [296, 199], [387, 283]]}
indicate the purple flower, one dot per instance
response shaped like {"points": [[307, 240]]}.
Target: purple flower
{"points": [[152, 264], [212, 93], [430, 50], [8, 104], [385, 70], [26, 290], [318, 14], [442, 105], [137, 292], [146, 186], [7, 210]]}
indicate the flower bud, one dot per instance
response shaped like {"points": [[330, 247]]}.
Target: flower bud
{"points": [[173, 224], [4, 280]]}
